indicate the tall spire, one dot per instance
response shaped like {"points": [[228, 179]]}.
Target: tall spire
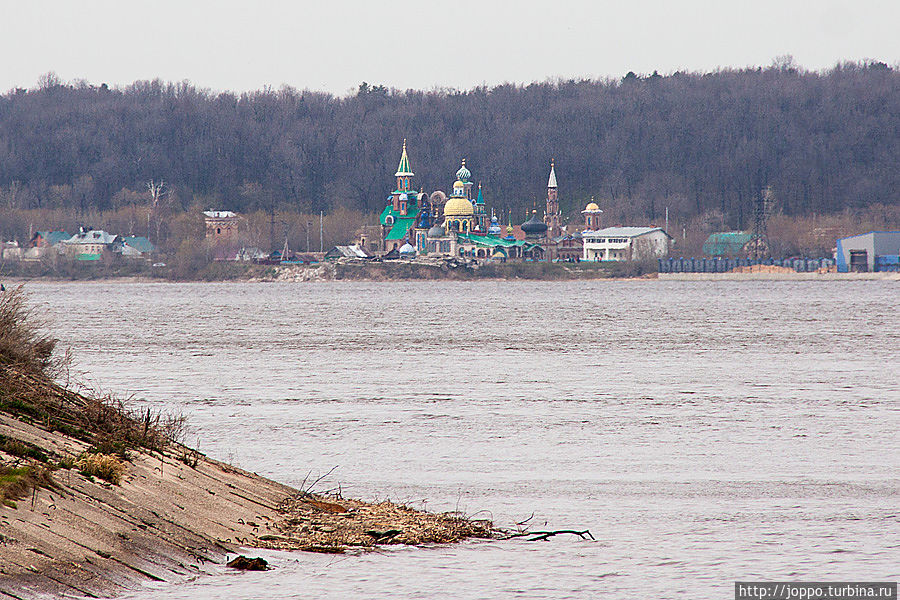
{"points": [[403, 169], [551, 183]]}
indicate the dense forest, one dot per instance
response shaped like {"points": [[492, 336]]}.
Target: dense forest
{"points": [[696, 143]]}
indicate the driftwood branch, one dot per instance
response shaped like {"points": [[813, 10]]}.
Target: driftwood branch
{"points": [[534, 536]]}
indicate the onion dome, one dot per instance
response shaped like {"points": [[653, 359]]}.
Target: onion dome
{"points": [[458, 206], [407, 248], [463, 174], [494, 229], [403, 169], [459, 188], [591, 206], [436, 232], [534, 226]]}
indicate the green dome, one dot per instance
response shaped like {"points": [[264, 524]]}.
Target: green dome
{"points": [[463, 174]]}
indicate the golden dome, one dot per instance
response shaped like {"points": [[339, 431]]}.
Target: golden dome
{"points": [[458, 206], [592, 206], [459, 185]]}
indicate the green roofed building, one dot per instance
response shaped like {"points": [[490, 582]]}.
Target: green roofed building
{"points": [[399, 217], [48, 238], [476, 245], [729, 243], [136, 246]]}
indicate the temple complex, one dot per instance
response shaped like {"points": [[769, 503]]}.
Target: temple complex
{"points": [[414, 223]]}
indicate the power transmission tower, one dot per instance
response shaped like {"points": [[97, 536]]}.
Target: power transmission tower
{"points": [[761, 212]]}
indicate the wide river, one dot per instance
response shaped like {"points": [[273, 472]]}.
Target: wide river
{"points": [[704, 432]]}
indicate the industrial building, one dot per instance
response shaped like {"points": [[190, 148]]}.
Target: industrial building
{"points": [[868, 252]]}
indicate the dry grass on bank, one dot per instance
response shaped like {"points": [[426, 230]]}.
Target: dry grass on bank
{"points": [[28, 391]]}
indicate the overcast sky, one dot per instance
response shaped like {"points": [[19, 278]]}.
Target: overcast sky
{"points": [[333, 45]]}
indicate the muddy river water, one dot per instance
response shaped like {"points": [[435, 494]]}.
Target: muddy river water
{"points": [[704, 432]]}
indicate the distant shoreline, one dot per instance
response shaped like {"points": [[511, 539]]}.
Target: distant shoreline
{"points": [[779, 276], [420, 271]]}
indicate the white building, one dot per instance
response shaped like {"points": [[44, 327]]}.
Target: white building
{"points": [[625, 243]]}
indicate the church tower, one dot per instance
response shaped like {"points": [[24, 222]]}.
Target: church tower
{"points": [[400, 196], [551, 217], [480, 213], [592, 215]]}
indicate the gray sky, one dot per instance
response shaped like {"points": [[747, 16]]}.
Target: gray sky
{"points": [[333, 45]]}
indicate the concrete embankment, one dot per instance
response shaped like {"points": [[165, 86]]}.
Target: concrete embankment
{"points": [[85, 536], [171, 512]]}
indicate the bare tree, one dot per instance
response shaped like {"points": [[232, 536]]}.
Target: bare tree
{"points": [[158, 195]]}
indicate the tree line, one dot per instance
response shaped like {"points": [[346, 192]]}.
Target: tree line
{"points": [[695, 143]]}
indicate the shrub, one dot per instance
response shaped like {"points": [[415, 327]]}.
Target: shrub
{"points": [[105, 466], [21, 342]]}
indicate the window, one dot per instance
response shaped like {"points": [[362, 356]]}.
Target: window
{"points": [[389, 220]]}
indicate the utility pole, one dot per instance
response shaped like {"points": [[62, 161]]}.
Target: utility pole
{"points": [[321, 231], [308, 225], [272, 227]]}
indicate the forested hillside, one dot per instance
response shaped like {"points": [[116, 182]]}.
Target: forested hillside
{"points": [[697, 143]]}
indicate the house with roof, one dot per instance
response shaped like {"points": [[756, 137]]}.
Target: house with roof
{"points": [[732, 244], [136, 247], [43, 243], [48, 239], [11, 251], [568, 247], [346, 252], [91, 245], [625, 243]]}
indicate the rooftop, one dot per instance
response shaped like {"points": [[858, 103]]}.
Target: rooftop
{"points": [[622, 231]]}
